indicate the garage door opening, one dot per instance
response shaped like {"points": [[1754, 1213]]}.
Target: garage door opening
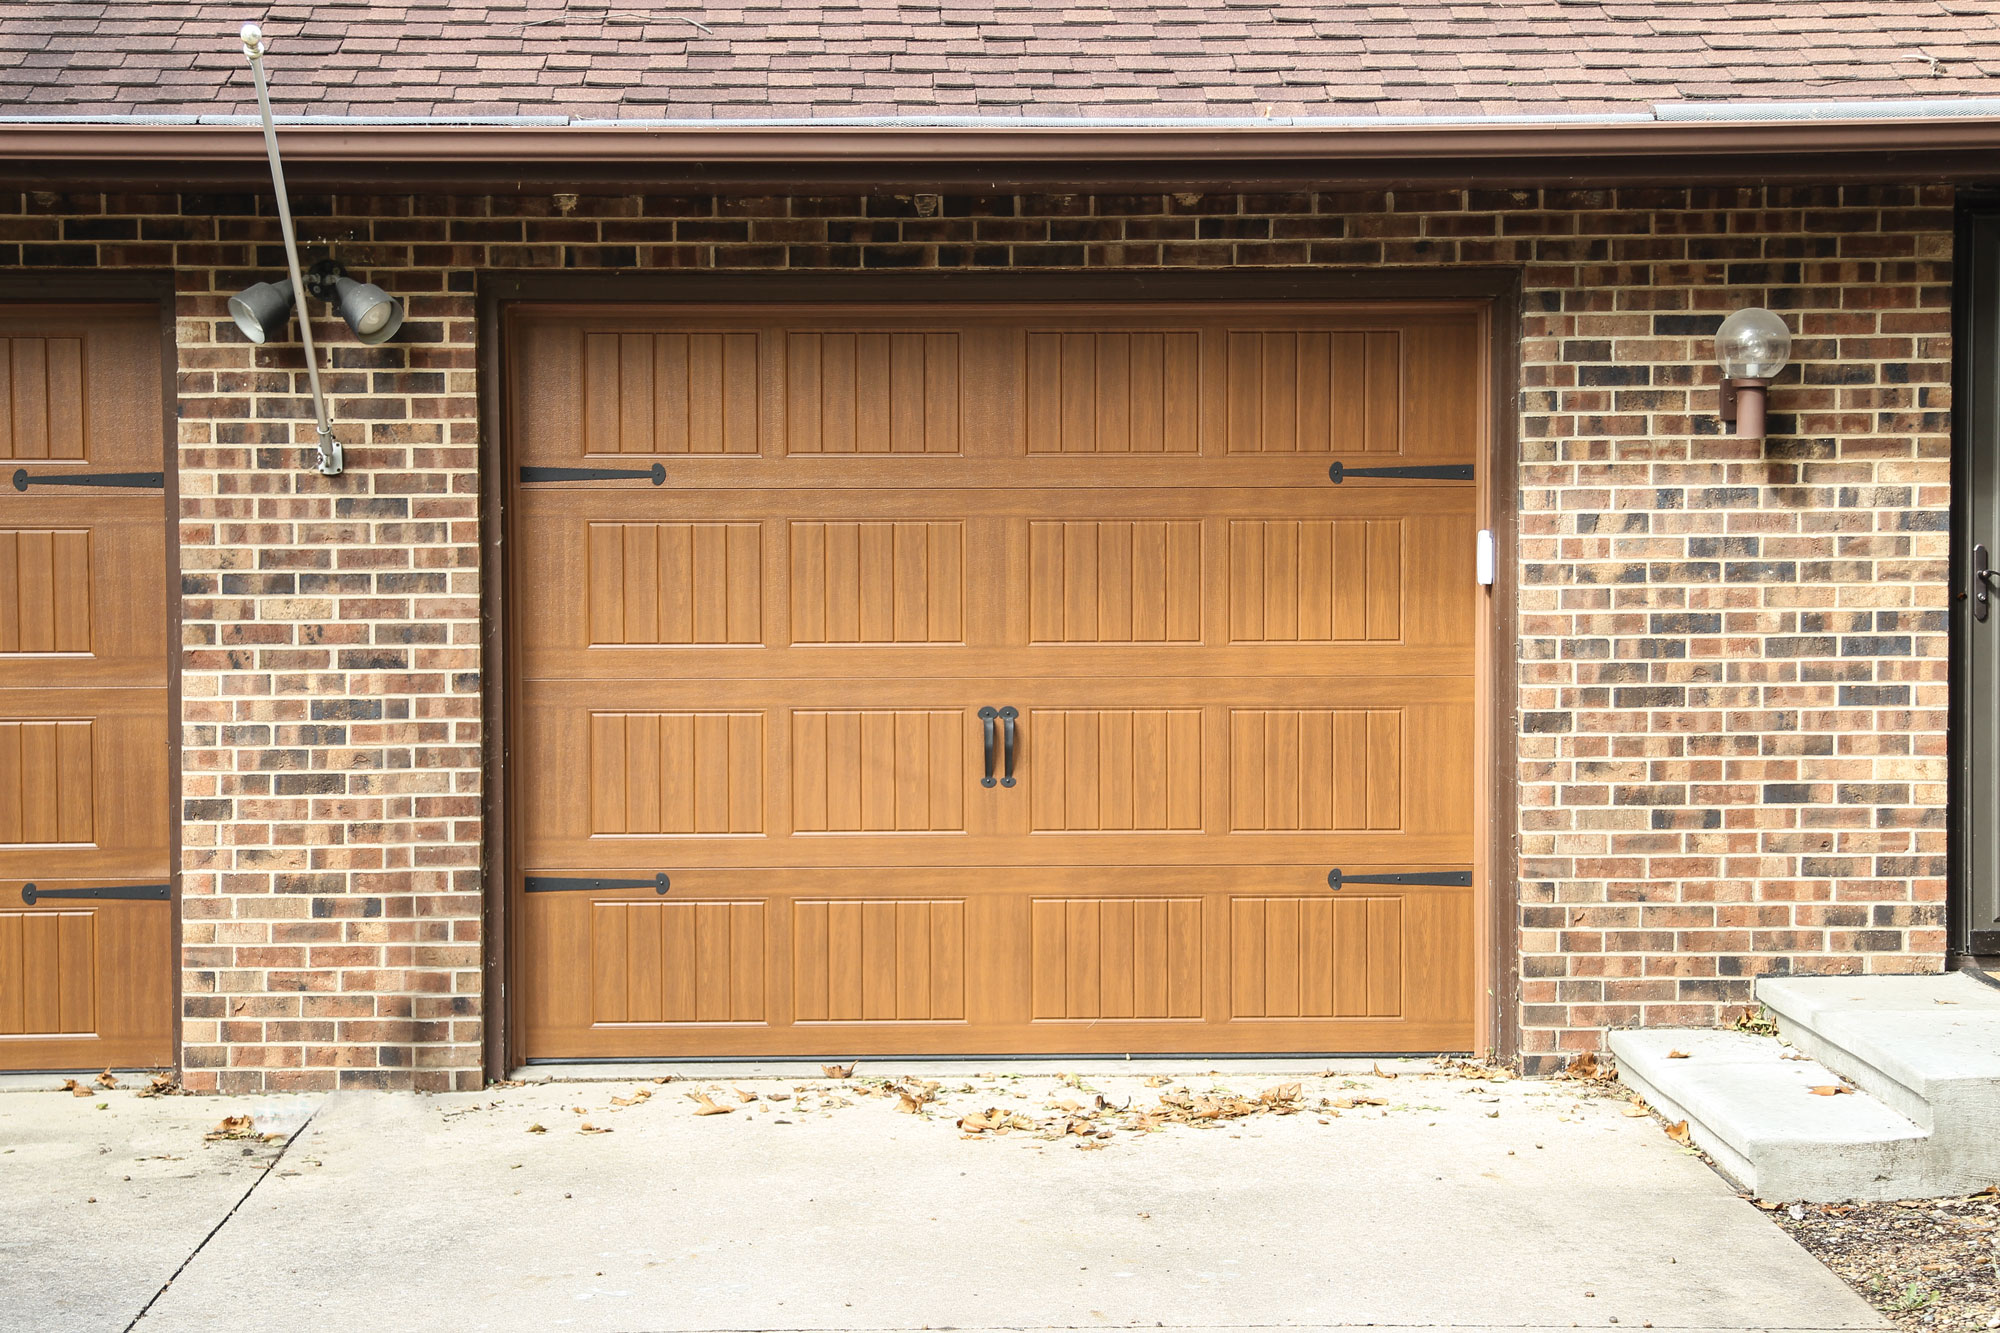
{"points": [[995, 680]]}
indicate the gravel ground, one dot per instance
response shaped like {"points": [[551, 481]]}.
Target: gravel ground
{"points": [[1929, 1264]]}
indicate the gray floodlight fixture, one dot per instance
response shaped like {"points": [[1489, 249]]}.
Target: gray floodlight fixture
{"points": [[263, 309], [372, 313]]}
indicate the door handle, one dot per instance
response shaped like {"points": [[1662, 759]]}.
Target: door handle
{"points": [[1982, 587], [1007, 716], [986, 716]]}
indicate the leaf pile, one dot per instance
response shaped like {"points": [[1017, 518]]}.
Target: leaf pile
{"points": [[1101, 1119], [239, 1127]]}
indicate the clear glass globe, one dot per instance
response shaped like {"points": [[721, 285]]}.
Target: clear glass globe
{"points": [[1752, 344]]}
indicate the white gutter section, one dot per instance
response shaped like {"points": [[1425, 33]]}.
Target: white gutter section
{"points": [[330, 460], [1743, 113]]}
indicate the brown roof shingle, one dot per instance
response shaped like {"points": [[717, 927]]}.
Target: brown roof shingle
{"points": [[772, 58]]}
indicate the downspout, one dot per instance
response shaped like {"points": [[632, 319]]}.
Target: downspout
{"points": [[330, 460]]}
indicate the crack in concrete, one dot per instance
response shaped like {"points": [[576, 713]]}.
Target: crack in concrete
{"points": [[216, 1230]]}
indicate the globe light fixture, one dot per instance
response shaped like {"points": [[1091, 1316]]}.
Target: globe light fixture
{"points": [[1752, 346]]}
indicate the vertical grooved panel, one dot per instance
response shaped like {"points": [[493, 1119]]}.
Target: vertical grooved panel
{"points": [[47, 783], [670, 393], [675, 584], [48, 973], [1112, 392], [881, 771], [1304, 392], [1315, 580], [872, 393], [1316, 770], [1116, 958], [45, 591], [1114, 770], [676, 773], [1316, 956], [43, 407], [879, 960], [669, 962], [1114, 581], [878, 582]]}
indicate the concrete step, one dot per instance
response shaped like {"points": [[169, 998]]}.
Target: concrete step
{"points": [[1748, 1104], [1928, 1046]]}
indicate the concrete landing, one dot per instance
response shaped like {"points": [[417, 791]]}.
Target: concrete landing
{"points": [[1928, 1046]]}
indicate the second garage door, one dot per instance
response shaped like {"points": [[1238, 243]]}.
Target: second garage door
{"points": [[995, 680]]}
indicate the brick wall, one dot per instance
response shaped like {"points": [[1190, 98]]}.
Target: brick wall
{"points": [[1732, 654]]}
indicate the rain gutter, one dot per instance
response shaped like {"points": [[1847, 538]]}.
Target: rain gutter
{"points": [[1914, 126], [1733, 143]]}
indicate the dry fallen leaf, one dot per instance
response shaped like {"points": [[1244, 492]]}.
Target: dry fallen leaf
{"points": [[1587, 1066], [1830, 1090], [638, 1095], [837, 1071], [74, 1088], [1381, 1073], [705, 1105], [161, 1085], [105, 1080], [1637, 1111], [1677, 1055], [1678, 1131], [538, 1129], [1158, 1081], [232, 1127], [587, 1128], [745, 1095]]}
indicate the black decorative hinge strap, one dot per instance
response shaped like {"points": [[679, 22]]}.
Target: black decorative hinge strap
{"points": [[138, 481], [561, 884], [1444, 879], [1425, 472], [657, 474], [157, 893]]}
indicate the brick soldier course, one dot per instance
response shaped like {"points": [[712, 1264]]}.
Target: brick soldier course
{"points": [[1732, 653]]}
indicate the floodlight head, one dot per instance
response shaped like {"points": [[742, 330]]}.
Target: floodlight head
{"points": [[372, 313], [262, 309]]}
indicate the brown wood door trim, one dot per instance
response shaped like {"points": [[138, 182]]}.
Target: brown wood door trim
{"points": [[1496, 289], [155, 288]]}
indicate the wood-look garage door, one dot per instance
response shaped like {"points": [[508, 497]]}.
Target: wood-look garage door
{"points": [[790, 583], [86, 948]]}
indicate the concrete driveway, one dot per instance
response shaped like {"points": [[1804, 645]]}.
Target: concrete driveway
{"points": [[1457, 1203]]}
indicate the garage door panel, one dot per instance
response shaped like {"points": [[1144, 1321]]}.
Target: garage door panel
{"points": [[1354, 665], [80, 986], [83, 775], [80, 592], [827, 962]]}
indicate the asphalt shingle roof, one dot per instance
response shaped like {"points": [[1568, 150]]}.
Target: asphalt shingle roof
{"points": [[788, 58]]}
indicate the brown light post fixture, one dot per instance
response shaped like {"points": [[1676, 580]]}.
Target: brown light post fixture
{"points": [[1752, 346]]}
